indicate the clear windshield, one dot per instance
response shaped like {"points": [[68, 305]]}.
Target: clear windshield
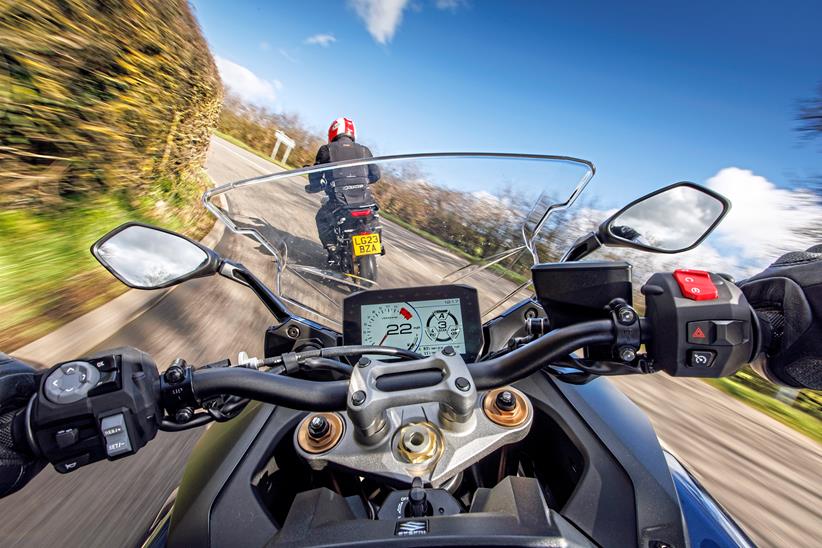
{"points": [[403, 221]]}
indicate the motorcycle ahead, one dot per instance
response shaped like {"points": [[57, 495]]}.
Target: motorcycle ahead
{"points": [[357, 235], [419, 422]]}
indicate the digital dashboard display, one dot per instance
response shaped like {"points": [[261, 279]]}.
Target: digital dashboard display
{"points": [[423, 319], [425, 327]]}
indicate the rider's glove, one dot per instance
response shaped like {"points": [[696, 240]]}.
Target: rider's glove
{"points": [[18, 464], [787, 297]]}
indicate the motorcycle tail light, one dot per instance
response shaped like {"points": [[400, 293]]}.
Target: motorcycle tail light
{"points": [[361, 213]]}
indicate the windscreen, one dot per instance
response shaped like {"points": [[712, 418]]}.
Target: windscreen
{"points": [[393, 222]]}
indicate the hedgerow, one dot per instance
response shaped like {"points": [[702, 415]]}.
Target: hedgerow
{"points": [[96, 96]]}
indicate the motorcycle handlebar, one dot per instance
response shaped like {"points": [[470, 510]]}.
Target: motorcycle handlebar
{"points": [[332, 396], [556, 344], [268, 388]]}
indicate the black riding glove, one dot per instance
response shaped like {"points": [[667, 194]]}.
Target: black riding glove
{"points": [[787, 297], [18, 464]]}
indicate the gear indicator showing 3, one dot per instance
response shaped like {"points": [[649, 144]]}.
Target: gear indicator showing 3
{"points": [[442, 326]]}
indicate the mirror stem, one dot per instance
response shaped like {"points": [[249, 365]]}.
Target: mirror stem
{"points": [[582, 247], [240, 274]]}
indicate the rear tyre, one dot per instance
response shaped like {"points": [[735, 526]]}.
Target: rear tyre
{"points": [[345, 262], [368, 267]]}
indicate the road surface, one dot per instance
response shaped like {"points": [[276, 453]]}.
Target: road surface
{"points": [[766, 475]]}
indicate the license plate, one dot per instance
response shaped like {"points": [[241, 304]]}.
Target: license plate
{"points": [[366, 244]]}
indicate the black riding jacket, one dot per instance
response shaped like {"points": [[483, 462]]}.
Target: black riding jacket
{"points": [[347, 186]]}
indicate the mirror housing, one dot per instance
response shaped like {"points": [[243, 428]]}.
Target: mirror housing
{"points": [[629, 237], [147, 257], [709, 209]]}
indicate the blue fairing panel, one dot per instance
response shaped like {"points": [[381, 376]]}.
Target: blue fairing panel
{"points": [[709, 525]]}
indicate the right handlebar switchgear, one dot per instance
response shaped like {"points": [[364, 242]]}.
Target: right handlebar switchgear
{"points": [[702, 325]]}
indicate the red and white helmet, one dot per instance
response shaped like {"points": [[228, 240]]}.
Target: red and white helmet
{"points": [[341, 126]]}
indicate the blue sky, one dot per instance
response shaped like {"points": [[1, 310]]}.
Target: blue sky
{"points": [[651, 92]]}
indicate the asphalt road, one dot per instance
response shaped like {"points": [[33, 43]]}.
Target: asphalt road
{"points": [[766, 475]]}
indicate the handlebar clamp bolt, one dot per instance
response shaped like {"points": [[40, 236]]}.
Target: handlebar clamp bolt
{"points": [[183, 415], [506, 401], [318, 427], [363, 362], [462, 384], [174, 374], [626, 315], [627, 354], [358, 398]]}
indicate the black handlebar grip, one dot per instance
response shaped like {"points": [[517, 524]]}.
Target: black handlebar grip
{"points": [[18, 465], [18, 462]]}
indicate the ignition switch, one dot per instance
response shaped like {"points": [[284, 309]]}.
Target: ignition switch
{"points": [[417, 506]]}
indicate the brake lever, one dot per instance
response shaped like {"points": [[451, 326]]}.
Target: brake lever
{"points": [[606, 367]]}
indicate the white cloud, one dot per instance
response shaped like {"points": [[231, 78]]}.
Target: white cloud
{"points": [[246, 84], [323, 40], [765, 220], [704, 257], [381, 17], [448, 4], [287, 56]]}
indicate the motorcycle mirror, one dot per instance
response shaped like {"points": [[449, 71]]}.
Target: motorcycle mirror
{"points": [[670, 220], [146, 257]]}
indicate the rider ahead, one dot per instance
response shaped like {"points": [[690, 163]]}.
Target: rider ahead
{"points": [[346, 187]]}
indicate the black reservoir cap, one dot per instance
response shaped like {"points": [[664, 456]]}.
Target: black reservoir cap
{"points": [[579, 291]]}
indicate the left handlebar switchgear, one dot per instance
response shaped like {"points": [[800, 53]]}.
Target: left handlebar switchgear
{"points": [[105, 405]]}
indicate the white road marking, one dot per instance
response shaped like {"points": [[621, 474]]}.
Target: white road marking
{"points": [[267, 168]]}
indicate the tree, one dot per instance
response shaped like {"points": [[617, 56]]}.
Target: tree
{"points": [[810, 116], [810, 125]]}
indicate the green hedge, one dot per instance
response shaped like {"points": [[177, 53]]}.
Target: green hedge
{"points": [[96, 96], [106, 111]]}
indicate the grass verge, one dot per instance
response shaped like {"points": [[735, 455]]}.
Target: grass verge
{"points": [[242, 145], [48, 277], [799, 420]]}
